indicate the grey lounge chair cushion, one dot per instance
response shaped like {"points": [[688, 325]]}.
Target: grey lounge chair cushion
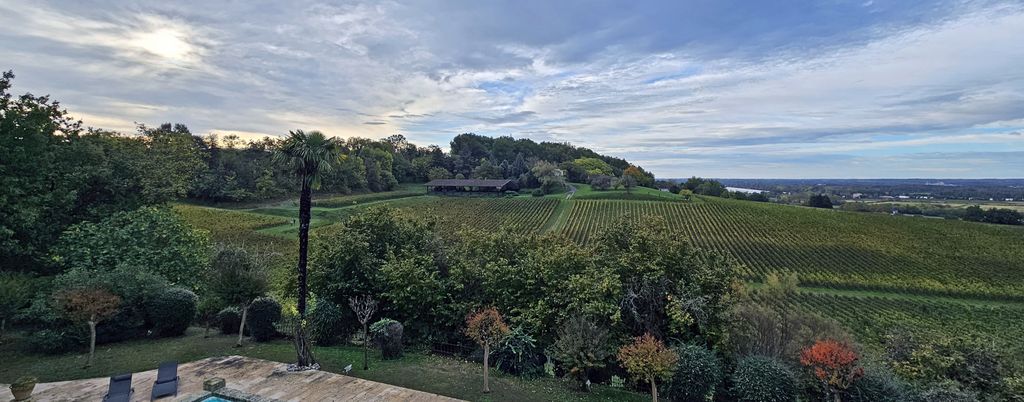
{"points": [[161, 389], [168, 372], [120, 388]]}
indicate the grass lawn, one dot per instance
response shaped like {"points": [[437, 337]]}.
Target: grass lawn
{"points": [[416, 370]]}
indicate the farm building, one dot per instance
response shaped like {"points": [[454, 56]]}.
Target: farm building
{"points": [[469, 185]]}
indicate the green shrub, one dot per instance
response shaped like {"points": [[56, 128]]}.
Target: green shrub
{"points": [[326, 322], [263, 313], [15, 294], [379, 328], [947, 392], [52, 341], [697, 374], [170, 312], [763, 379], [229, 319], [517, 354], [537, 192], [879, 384], [152, 240], [387, 333]]}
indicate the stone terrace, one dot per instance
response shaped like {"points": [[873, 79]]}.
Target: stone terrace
{"points": [[254, 376]]}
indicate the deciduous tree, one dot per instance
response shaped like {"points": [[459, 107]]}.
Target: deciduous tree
{"points": [[364, 307], [238, 276], [88, 305], [487, 328], [649, 360]]}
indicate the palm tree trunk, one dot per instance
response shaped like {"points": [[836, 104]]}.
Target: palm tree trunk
{"points": [[92, 342], [305, 201], [487, 351], [241, 327]]}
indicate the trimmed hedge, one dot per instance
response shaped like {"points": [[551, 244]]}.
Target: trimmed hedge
{"points": [[229, 319], [763, 379], [171, 312], [263, 313], [697, 374]]}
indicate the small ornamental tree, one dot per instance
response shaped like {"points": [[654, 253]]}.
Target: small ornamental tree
{"points": [[364, 307], [649, 360], [237, 277], [487, 328], [834, 364], [88, 305]]}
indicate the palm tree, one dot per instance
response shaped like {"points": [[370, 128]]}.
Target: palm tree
{"points": [[309, 156]]}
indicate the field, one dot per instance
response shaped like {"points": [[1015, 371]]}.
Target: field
{"points": [[832, 248], [869, 271], [1014, 205]]}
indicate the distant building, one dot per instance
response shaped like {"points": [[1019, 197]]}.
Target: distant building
{"points": [[469, 185], [1009, 199], [857, 195], [904, 197]]}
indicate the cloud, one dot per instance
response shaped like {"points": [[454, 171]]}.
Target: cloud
{"points": [[683, 88]]}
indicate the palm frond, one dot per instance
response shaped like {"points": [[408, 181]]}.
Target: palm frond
{"points": [[310, 155]]}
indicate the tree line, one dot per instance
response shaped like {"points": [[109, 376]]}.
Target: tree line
{"points": [[55, 173]]}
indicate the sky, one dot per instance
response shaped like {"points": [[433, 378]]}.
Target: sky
{"points": [[714, 88]]}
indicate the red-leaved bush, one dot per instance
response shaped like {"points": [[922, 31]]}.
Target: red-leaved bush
{"points": [[834, 363]]}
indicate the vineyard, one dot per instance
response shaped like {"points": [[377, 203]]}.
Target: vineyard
{"points": [[227, 225], [521, 215], [831, 248], [870, 318], [826, 248]]}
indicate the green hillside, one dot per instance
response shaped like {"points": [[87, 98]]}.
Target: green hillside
{"points": [[826, 248], [870, 272]]}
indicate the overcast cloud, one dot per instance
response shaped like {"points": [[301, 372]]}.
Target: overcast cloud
{"points": [[712, 88]]}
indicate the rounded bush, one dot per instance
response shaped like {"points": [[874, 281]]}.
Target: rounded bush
{"points": [[879, 385], [763, 379], [387, 333], [537, 192], [697, 374], [170, 312], [51, 341], [229, 319], [263, 313], [326, 322]]}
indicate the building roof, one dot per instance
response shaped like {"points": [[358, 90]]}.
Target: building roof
{"points": [[469, 183]]}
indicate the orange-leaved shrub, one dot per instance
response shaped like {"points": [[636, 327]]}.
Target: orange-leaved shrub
{"points": [[834, 364]]}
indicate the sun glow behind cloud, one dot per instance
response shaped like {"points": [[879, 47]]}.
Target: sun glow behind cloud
{"points": [[164, 42]]}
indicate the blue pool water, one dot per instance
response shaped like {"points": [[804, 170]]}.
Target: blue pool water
{"points": [[215, 399]]}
